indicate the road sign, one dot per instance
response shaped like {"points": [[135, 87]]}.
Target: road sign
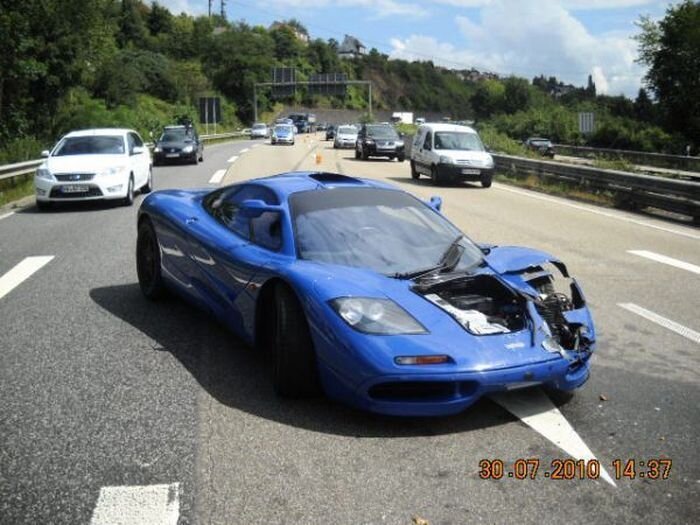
{"points": [[328, 84], [210, 110], [284, 82], [586, 122]]}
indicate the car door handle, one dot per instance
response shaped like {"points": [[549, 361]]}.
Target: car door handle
{"points": [[191, 220]]}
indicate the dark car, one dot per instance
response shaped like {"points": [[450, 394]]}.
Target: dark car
{"points": [[178, 143], [379, 140], [540, 145], [301, 122], [330, 132]]}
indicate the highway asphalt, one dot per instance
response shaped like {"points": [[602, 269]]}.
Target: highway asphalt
{"points": [[111, 405]]}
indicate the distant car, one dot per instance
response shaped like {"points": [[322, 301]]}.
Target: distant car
{"points": [[284, 121], [541, 145], [94, 164], [346, 137], [447, 152], [330, 132], [300, 121], [283, 134], [259, 131], [419, 121], [358, 289], [379, 140], [323, 126], [178, 143]]}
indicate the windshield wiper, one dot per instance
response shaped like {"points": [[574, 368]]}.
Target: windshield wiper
{"points": [[445, 263]]}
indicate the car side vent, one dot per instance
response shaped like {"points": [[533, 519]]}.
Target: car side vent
{"points": [[334, 178]]}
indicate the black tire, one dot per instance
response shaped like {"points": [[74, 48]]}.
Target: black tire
{"points": [[364, 154], [414, 172], [357, 154], [201, 156], [434, 177], [148, 187], [195, 160], [294, 372], [401, 158], [129, 199], [148, 262], [43, 205], [486, 181]]}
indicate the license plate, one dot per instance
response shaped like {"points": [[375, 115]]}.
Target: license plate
{"points": [[172, 155], [468, 171], [74, 188]]}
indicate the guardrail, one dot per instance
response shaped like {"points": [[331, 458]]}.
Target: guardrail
{"points": [[9, 171], [661, 160], [630, 189]]}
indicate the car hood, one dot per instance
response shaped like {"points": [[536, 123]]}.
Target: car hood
{"points": [[84, 163]]}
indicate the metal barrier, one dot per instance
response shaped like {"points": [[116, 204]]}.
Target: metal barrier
{"points": [[630, 189], [9, 171], [661, 160]]}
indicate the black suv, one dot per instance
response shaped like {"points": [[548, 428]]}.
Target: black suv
{"points": [[541, 145], [178, 143], [379, 140]]}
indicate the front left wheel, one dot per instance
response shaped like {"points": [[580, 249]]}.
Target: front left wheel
{"points": [[148, 187], [129, 199], [294, 372], [148, 262]]}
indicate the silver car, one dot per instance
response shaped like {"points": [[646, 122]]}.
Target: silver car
{"points": [[345, 137]]}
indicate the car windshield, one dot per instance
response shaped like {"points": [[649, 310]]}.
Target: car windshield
{"points": [[382, 132], [458, 140], [259, 126], [173, 135], [347, 130], [382, 230], [283, 129], [93, 145], [540, 142]]}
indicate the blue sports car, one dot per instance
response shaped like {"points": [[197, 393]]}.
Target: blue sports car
{"points": [[361, 290]]}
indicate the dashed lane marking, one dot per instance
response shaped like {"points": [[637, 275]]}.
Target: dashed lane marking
{"points": [[233, 159], [588, 209], [217, 177], [666, 260], [21, 272], [244, 150], [537, 411], [138, 505], [6, 215], [686, 332]]}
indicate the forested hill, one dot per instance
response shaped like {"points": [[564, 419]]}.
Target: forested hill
{"points": [[68, 64]]}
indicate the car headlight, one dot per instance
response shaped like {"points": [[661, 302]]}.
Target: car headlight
{"points": [[399, 143], [157, 149], [369, 141], [488, 163], [446, 160], [188, 149], [376, 316], [113, 171], [44, 173]]}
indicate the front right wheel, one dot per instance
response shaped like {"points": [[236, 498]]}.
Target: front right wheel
{"points": [[414, 172], [294, 372]]}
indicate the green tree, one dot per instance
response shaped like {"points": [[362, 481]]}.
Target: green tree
{"points": [[132, 26], [643, 106], [517, 95], [159, 20], [671, 50]]}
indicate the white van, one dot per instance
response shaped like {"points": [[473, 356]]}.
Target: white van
{"points": [[448, 152]]}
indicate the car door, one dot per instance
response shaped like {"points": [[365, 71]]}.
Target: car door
{"points": [[140, 162], [426, 153]]}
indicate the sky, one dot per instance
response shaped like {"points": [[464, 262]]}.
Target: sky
{"points": [[569, 39]]}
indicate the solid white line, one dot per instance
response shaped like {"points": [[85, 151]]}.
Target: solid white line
{"points": [[244, 150], [22, 272], [666, 260], [537, 411], [233, 159], [134, 505], [686, 332], [6, 215], [255, 145], [217, 177], [619, 217]]}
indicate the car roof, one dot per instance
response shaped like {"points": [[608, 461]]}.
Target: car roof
{"points": [[438, 126], [285, 184], [99, 132]]}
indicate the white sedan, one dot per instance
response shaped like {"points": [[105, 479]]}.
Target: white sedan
{"points": [[94, 164]]}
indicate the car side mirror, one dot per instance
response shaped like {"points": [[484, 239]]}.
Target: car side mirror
{"points": [[138, 150], [435, 202], [45, 154], [254, 208]]}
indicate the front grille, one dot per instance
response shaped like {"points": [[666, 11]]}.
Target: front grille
{"points": [[71, 177], [422, 390], [171, 150], [57, 193]]}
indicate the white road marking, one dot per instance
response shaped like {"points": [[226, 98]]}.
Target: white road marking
{"points": [[686, 332], [534, 195], [22, 272], [255, 145], [244, 150], [233, 159], [138, 505], [666, 260], [6, 215], [537, 411], [217, 177]]}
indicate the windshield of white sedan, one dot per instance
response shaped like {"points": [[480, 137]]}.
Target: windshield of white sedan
{"points": [[445, 140], [96, 145], [382, 230], [284, 129]]}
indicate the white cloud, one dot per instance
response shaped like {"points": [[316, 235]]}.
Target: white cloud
{"points": [[191, 7], [532, 37], [580, 5], [375, 8]]}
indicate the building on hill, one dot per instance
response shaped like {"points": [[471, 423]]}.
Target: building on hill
{"points": [[351, 48], [474, 75], [300, 35]]}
